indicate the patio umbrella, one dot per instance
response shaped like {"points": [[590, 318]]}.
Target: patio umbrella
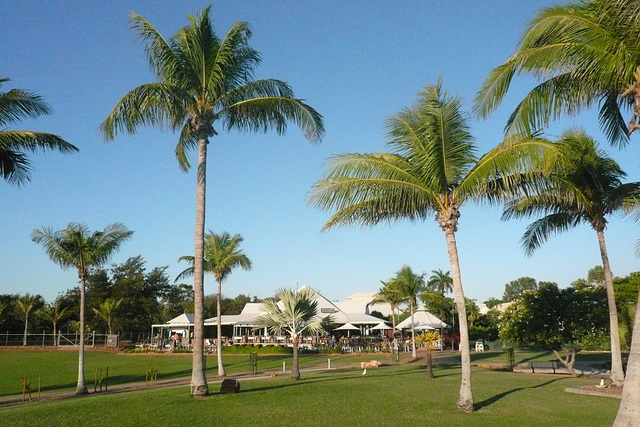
{"points": [[381, 327], [347, 327]]}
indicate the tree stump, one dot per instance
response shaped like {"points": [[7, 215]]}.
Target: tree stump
{"points": [[230, 386]]}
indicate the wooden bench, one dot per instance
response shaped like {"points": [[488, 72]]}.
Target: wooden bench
{"points": [[544, 365]]}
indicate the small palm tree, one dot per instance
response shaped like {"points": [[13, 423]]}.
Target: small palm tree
{"points": [[586, 189], [430, 340], [432, 170], [440, 282], [25, 304], [389, 294], [75, 247], [54, 313], [205, 80], [295, 313], [106, 310], [410, 285], [222, 254], [15, 105]]}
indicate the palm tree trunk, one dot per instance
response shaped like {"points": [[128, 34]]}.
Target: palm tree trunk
{"points": [[221, 371], [198, 378], [26, 328], [629, 409], [81, 388], [295, 370], [465, 400], [617, 374], [413, 332]]}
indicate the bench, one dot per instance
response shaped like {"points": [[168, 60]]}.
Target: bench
{"points": [[544, 365]]}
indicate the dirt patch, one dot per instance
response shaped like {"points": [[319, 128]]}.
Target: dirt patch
{"points": [[596, 391]]}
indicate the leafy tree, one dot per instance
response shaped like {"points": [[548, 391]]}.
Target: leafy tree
{"points": [[389, 294], [585, 53], [75, 247], [295, 313], [559, 319], [433, 170], [222, 254], [585, 189], [438, 304], [492, 302], [204, 80], [25, 305], [106, 311], [410, 285], [17, 104], [516, 288], [580, 284], [54, 312], [176, 300], [596, 276], [440, 282]]}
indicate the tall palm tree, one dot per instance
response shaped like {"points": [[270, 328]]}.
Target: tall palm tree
{"points": [[54, 313], [389, 294], [25, 305], [222, 254], [106, 310], [76, 247], [203, 81], [440, 282], [433, 170], [15, 105], [585, 53], [410, 285], [629, 409], [295, 313], [586, 189]]}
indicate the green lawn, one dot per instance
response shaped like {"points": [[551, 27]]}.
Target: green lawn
{"points": [[390, 395], [58, 368]]}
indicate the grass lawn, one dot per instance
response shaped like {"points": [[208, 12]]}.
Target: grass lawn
{"points": [[390, 395]]}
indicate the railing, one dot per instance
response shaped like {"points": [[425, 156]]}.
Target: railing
{"points": [[60, 339]]}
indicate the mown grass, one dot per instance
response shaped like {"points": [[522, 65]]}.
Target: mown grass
{"points": [[58, 368], [390, 395]]}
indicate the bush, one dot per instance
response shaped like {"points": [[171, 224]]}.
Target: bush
{"points": [[260, 349]]}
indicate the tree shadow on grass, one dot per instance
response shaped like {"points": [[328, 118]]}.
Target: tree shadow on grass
{"points": [[499, 396], [323, 377]]}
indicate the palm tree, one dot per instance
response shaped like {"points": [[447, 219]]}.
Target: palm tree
{"points": [[433, 170], [585, 53], [54, 313], [389, 294], [295, 313], [106, 310], [15, 105], [410, 285], [75, 247], [204, 80], [586, 189], [440, 282], [629, 409], [25, 304], [222, 254]]}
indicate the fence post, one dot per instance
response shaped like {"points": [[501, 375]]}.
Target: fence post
{"points": [[93, 339], [43, 338], [6, 340]]}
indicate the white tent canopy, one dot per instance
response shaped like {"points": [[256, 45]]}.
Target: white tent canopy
{"points": [[422, 320], [381, 327]]}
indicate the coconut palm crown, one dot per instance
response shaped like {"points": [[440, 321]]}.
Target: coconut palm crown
{"points": [[584, 53], [17, 104]]}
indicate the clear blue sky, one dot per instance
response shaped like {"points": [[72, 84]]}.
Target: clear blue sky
{"points": [[355, 62]]}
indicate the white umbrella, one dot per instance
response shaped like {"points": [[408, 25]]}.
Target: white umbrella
{"points": [[347, 327], [381, 327]]}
